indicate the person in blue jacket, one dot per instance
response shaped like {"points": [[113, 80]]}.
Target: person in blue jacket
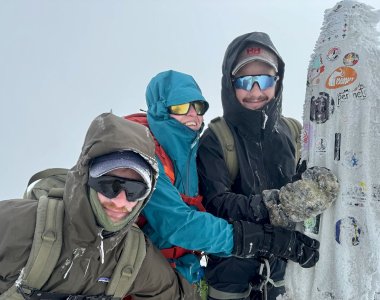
{"points": [[176, 221]]}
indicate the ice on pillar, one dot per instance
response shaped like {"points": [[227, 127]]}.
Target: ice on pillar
{"points": [[342, 132]]}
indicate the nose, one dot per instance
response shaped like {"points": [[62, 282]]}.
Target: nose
{"points": [[255, 91], [121, 200], [192, 111]]}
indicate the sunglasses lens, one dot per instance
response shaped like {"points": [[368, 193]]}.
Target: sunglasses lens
{"points": [[111, 186], [247, 82], [200, 107], [182, 109]]}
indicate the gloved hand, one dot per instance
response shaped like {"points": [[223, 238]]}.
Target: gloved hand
{"points": [[259, 211], [307, 197], [317, 189], [277, 215], [252, 239], [300, 169]]}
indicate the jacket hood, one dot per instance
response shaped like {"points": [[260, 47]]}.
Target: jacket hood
{"points": [[179, 142], [233, 111], [170, 88], [107, 133]]}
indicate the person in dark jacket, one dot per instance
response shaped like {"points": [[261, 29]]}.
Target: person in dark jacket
{"points": [[253, 73], [104, 194]]}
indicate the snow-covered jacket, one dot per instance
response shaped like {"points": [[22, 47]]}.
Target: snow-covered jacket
{"points": [[171, 221], [89, 255]]}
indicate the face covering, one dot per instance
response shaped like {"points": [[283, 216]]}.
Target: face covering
{"points": [[103, 219]]}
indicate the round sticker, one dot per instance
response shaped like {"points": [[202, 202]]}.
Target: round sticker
{"points": [[351, 59], [333, 54]]}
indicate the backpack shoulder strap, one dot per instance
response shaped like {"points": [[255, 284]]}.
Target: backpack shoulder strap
{"points": [[129, 263], [47, 241], [295, 128], [47, 173], [42, 182], [227, 142]]}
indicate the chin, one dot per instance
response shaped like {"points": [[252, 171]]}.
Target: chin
{"points": [[254, 106]]}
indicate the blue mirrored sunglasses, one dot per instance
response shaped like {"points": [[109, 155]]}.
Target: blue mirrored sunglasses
{"points": [[246, 82]]}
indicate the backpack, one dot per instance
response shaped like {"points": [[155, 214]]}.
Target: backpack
{"points": [[226, 140], [47, 188]]}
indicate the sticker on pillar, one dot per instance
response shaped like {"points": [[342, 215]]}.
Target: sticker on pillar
{"points": [[340, 77], [315, 70], [321, 145], [321, 107], [311, 225], [348, 232], [337, 143], [306, 133], [326, 295], [376, 193], [356, 195], [352, 159], [333, 54], [351, 59]]}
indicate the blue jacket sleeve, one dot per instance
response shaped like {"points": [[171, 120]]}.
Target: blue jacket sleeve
{"points": [[172, 221]]}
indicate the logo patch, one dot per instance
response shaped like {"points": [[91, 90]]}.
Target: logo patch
{"points": [[340, 77]]}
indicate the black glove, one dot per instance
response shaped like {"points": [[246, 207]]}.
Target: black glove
{"points": [[252, 239], [300, 169], [259, 212]]}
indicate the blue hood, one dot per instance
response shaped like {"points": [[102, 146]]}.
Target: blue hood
{"points": [[179, 142]]}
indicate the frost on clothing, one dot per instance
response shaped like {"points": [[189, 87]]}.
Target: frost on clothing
{"points": [[170, 220], [342, 132]]}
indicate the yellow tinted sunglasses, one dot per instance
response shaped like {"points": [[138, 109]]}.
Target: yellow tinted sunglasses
{"points": [[182, 109]]}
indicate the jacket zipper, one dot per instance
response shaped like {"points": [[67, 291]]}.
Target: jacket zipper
{"points": [[187, 187], [262, 186], [101, 247]]}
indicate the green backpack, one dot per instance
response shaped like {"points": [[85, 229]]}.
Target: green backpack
{"points": [[226, 139], [47, 187]]}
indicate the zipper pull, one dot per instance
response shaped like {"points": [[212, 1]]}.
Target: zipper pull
{"points": [[265, 120]]}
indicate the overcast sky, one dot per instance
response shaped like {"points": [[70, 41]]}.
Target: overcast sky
{"points": [[64, 62]]}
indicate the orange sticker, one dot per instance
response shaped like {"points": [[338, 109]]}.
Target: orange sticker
{"points": [[341, 76]]}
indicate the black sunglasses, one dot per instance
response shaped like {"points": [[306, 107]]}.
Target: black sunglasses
{"points": [[111, 186]]}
